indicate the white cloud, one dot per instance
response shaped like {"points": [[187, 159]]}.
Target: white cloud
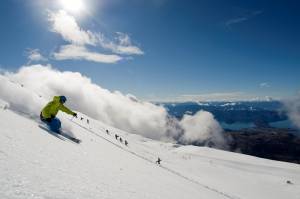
{"points": [[122, 111], [82, 53], [243, 18], [34, 55], [236, 20], [264, 85], [79, 39], [123, 45], [66, 25], [202, 127]]}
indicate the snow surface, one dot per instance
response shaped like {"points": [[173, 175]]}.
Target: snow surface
{"points": [[37, 164]]}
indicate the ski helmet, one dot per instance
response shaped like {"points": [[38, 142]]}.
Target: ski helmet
{"points": [[63, 99]]}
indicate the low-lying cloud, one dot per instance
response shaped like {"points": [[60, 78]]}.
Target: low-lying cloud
{"points": [[202, 127], [292, 107], [114, 108]]}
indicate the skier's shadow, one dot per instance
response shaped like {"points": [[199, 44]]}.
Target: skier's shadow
{"points": [[52, 133], [61, 136]]}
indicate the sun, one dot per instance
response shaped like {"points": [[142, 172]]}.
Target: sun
{"points": [[74, 6]]}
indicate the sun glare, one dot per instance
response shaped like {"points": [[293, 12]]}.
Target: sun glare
{"points": [[72, 5]]}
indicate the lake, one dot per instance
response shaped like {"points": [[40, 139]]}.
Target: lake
{"points": [[239, 125]]}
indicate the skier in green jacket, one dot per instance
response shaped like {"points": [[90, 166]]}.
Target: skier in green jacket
{"points": [[49, 112]]}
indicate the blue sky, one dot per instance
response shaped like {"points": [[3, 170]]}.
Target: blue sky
{"points": [[161, 49]]}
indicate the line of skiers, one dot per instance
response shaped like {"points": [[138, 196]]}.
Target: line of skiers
{"points": [[87, 120], [107, 132], [121, 140]]}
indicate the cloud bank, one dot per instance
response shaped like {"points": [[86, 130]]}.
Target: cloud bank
{"points": [[114, 108]]}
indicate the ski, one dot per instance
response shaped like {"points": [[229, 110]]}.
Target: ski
{"points": [[76, 140], [61, 135]]}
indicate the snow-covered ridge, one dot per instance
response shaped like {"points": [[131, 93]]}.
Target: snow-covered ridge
{"points": [[36, 164]]}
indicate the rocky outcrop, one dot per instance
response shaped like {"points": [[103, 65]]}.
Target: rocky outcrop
{"points": [[271, 143]]}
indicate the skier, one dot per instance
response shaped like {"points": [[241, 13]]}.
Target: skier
{"points": [[121, 140], [49, 112], [158, 161], [116, 136], [126, 143]]}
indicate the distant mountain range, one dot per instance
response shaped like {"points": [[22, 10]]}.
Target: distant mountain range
{"points": [[261, 138], [260, 113]]}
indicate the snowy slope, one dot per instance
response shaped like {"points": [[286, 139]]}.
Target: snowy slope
{"points": [[36, 164]]}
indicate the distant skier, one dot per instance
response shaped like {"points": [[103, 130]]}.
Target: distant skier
{"points": [[107, 132], [289, 182], [49, 112], [158, 161], [126, 143], [121, 140], [116, 136]]}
